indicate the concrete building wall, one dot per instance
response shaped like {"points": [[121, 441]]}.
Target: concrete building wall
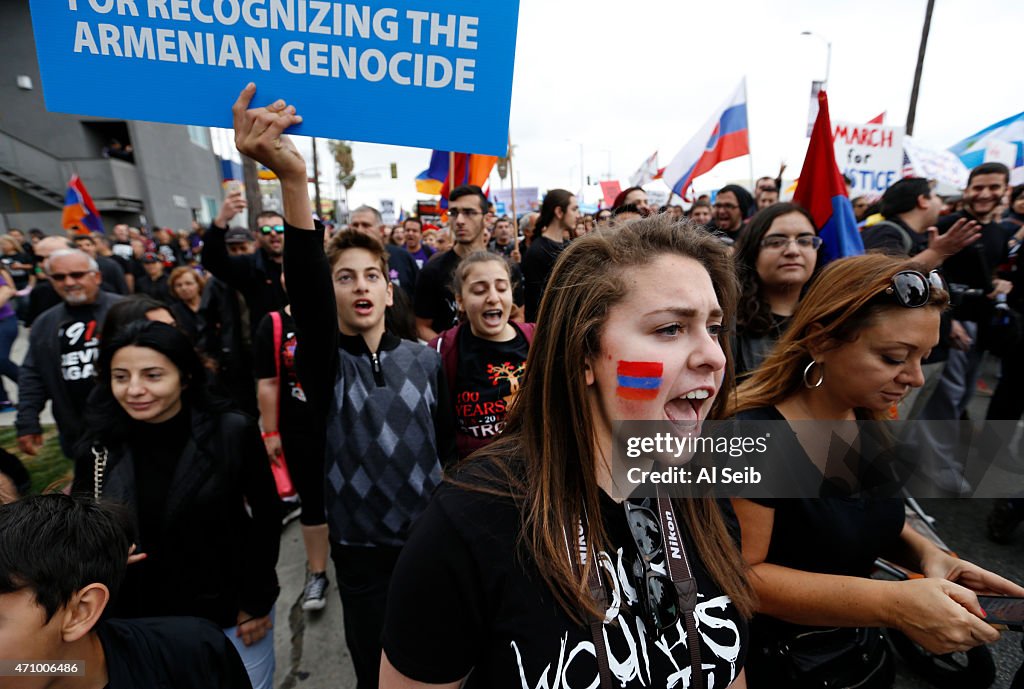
{"points": [[170, 176]]}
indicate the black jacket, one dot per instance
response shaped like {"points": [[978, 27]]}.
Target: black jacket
{"points": [[256, 276], [184, 653], [215, 558]]}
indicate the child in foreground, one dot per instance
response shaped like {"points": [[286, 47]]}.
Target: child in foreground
{"points": [[62, 560]]}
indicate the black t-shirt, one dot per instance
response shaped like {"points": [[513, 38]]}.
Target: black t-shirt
{"points": [[292, 408], [751, 350], [113, 275], [486, 383], [79, 350], [831, 535], [537, 265], [434, 298], [19, 275], [158, 289], [463, 598]]}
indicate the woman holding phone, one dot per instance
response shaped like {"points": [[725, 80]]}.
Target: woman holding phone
{"points": [[853, 349]]}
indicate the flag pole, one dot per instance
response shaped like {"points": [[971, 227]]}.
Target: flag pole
{"points": [[451, 171], [750, 156], [512, 190]]}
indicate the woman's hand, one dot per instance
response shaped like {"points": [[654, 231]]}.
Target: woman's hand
{"points": [[940, 564], [259, 134], [252, 629], [941, 616]]}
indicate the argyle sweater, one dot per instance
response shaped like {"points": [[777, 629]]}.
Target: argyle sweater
{"points": [[383, 417]]}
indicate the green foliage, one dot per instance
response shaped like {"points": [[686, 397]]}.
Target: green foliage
{"points": [[50, 469], [342, 152]]}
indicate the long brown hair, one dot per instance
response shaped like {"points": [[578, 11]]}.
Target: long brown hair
{"points": [[753, 314], [545, 460], [847, 297]]}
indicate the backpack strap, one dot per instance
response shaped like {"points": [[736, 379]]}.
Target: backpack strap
{"points": [[906, 241], [527, 329], [275, 319]]}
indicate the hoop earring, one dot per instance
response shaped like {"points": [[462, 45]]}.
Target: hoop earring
{"points": [[821, 375]]}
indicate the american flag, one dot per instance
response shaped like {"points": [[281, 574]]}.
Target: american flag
{"points": [[908, 167]]}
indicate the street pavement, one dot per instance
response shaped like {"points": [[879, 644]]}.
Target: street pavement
{"points": [[311, 651]]}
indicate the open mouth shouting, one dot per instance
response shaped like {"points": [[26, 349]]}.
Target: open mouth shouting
{"points": [[363, 307], [493, 318], [690, 408]]}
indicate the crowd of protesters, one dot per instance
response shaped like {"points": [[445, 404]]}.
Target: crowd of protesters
{"points": [[440, 397]]}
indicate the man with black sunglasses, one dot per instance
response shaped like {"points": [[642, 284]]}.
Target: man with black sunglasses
{"points": [[256, 276], [62, 351]]}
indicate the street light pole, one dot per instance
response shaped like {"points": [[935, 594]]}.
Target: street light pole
{"points": [[581, 166], [912, 112], [828, 55], [581, 162]]}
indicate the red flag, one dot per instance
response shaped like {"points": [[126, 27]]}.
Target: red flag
{"points": [[822, 191], [470, 168], [610, 189]]}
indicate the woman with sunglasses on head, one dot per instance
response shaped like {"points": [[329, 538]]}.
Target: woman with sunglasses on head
{"points": [[853, 348], [194, 476], [777, 255], [484, 357], [495, 587]]}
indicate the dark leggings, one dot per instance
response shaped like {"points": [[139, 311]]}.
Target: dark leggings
{"points": [[306, 467], [8, 334]]}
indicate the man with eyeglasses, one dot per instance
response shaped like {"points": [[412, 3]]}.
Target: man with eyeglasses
{"points": [[62, 352], [256, 276], [434, 303], [731, 207]]}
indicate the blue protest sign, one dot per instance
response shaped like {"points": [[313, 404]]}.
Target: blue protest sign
{"points": [[428, 73]]}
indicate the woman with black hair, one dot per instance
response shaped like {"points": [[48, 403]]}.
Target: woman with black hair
{"points": [[558, 214], [776, 257], [194, 475]]}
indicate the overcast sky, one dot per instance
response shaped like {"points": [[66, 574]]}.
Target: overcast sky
{"points": [[627, 79]]}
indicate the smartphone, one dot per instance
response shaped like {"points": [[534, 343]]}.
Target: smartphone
{"points": [[233, 185], [1008, 610]]}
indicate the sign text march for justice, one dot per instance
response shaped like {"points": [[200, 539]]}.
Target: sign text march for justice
{"points": [[870, 155], [428, 73]]}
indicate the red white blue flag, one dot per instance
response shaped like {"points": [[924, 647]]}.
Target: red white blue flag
{"points": [[723, 137], [822, 191]]}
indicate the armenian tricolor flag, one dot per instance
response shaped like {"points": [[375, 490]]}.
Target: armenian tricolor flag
{"points": [[470, 168], [639, 380], [822, 192], [80, 212]]}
